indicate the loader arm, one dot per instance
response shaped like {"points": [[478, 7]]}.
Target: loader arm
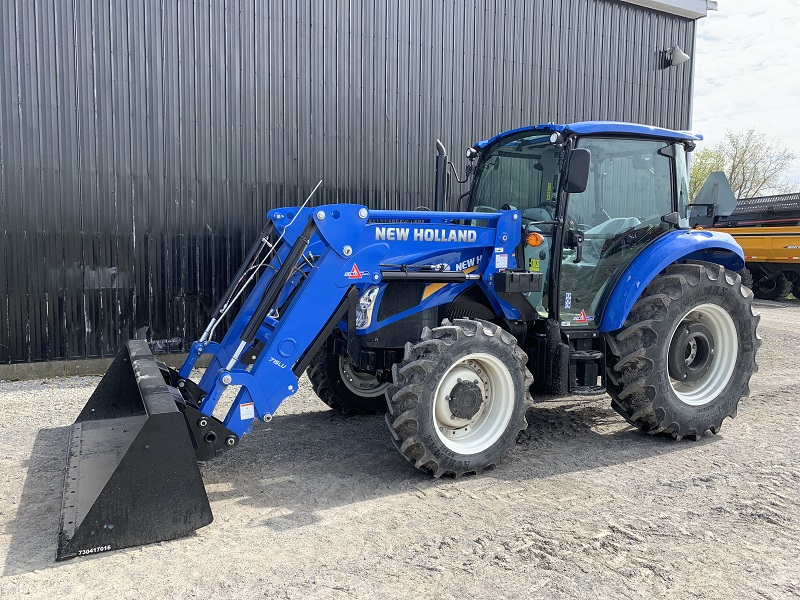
{"points": [[303, 294]]}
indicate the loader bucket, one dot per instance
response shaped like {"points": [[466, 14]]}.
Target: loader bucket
{"points": [[132, 476]]}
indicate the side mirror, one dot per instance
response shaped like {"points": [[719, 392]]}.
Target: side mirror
{"points": [[672, 218], [578, 170]]}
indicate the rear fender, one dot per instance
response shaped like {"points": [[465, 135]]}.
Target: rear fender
{"points": [[675, 246]]}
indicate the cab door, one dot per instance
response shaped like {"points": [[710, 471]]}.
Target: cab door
{"points": [[630, 188]]}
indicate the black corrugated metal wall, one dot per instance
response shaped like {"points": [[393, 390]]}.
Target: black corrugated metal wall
{"points": [[142, 141]]}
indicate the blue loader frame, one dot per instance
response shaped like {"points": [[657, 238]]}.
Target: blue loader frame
{"points": [[324, 257]]}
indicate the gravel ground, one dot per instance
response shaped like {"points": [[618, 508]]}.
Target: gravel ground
{"points": [[315, 505]]}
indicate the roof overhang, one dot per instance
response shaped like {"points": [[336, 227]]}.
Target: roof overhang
{"points": [[613, 128], [691, 9]]}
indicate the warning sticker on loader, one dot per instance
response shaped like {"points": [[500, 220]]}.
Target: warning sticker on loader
{"points": [[247, 411], [501, 261], [356, 273]]}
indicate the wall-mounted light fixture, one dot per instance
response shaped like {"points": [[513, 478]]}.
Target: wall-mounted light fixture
{"points": [[675, 56]]}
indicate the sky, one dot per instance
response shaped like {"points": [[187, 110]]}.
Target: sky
{"points": [[747, 73]]}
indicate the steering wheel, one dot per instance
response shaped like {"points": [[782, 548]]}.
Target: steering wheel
{"points": [[616, 242], [484, 208], [638, 233]]}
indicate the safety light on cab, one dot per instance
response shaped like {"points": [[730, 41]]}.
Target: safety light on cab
{"points": [[534, 239]]}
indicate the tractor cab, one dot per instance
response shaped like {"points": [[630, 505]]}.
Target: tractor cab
{"points": [[592, 197]]}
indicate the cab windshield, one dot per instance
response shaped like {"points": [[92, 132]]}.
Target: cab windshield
{"points": [[522, 174]]}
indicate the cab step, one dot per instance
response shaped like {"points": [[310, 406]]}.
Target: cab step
{"points": [[588, 390], [585, 355]]}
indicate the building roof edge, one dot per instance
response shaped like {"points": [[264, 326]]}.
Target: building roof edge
{"points": [[691, 9]]}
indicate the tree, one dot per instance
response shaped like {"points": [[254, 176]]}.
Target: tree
{"points": [[704, 162], [755, 166]]}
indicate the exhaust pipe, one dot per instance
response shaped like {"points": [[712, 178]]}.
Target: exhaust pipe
{"points": [[442, 178]]}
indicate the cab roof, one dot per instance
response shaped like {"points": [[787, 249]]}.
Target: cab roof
{"points": [[600, 128]]}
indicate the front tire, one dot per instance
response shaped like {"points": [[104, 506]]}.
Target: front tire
{"points": [[459, 398], [343, 387], [686, 353]]}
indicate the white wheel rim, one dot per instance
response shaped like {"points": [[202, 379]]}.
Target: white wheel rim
{"points": [[481, 431], [360, 383], [724, 353]]}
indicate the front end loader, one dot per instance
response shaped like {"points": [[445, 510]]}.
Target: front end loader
{"points": [[570, 269], [132, 475]]}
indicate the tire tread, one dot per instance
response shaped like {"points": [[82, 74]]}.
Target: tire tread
{"points": [[632, 374], [405, 396]]}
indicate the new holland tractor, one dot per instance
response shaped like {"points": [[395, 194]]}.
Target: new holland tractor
{"points": [[568, 268]]}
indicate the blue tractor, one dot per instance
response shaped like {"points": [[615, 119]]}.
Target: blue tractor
{"points": [[568, 268]]}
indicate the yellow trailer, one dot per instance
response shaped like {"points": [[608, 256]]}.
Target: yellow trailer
{"points": [[768, 230], [773, 245]]}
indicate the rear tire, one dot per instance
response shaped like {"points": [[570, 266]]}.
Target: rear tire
{"points": [[459, 398], [686, 353], [747, 277], [341, 386], [771, 287]]}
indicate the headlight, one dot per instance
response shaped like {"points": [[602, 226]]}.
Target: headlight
{"points": [[365, 305]]}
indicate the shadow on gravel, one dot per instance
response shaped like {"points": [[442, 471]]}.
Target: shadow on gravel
{"points": [[566, 436], [35, 527], [301, 464]]}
